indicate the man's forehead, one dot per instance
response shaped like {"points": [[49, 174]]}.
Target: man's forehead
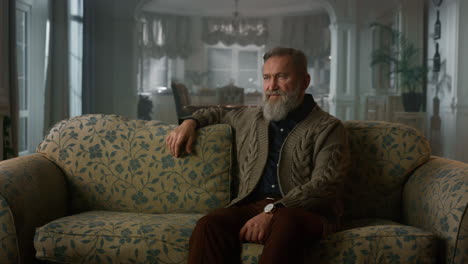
{"points": [[277, 64], [279, 58]]}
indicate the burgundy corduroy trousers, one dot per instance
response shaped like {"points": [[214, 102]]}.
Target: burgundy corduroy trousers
{"points": [[215, 239]]}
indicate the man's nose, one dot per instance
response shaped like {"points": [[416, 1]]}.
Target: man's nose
{"points": [[272, 85]]}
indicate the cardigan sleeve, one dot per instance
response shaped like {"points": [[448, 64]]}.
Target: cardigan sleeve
{"points": [[217, 115], [332, 163]]}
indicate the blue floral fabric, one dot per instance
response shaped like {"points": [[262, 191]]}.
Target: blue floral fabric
{"points": [[116, 237], [380, 242], [436, 199], [8, 241], [32, 193], [113, 163], [383, 157]]}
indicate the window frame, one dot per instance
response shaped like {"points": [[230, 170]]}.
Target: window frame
{"points": [[24, 110], [76, 89], [36, 31], [235, 69]]}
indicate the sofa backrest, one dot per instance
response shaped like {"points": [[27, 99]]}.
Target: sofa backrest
{"points": [[383, 156], [113, 163]]}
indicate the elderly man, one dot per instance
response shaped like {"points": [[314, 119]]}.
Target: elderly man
{"points": [[292, 158]]}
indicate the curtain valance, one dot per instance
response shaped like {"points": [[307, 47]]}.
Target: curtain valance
{"points": [[166, 35]]}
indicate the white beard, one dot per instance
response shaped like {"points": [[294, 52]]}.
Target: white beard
{"points": [[275, 111]]}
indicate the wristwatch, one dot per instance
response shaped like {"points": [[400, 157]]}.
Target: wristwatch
{"points": [[269, 208]]}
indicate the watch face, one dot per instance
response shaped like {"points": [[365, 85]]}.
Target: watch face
{"points": [[268, 208], [437, 2]]}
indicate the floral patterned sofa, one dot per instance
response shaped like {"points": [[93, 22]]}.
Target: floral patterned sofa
{"points": [[103, 189]]}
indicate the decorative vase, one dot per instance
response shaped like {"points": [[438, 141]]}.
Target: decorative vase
{"points": [[412, 101]]}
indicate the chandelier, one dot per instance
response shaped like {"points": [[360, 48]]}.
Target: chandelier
{"points": [[235, 29], [240, 27]]}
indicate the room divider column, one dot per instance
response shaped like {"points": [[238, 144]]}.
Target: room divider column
{"points": [[342, 97]]}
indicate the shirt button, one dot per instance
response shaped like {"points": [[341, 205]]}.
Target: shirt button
{"points": [[281, 129], [277, 164], [273, 186]]}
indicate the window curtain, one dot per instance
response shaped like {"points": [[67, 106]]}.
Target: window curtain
{"points": [[243, 31], [8, 82], [89, 56], [166, 35], [308, 33], [57, 99]]}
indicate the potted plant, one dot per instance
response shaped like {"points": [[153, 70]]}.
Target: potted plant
{"points": [[400, 57]]}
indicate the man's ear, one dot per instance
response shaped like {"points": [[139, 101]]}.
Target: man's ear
{"points": [[306, 81]]}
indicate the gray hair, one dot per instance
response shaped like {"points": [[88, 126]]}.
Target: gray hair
{"points": [[298, 57]]}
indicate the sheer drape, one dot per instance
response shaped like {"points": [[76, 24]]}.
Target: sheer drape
{"points": [[8, 82], [166, 35], [308, 33], [57, 99], [244, 31]]}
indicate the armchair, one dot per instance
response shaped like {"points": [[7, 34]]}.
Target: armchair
{"points": [[181, 100], [229, 98], [230, 95]]}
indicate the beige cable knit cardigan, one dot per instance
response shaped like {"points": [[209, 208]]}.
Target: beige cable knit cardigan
{"points": [[313, 162]]}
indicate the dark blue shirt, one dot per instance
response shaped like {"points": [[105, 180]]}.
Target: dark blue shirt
{"points": [[277, 133]]}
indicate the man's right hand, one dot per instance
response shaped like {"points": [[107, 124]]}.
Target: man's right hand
{"points": [[183, 136]]}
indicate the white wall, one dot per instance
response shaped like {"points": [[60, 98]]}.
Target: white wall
{"points": [[115, 75]]}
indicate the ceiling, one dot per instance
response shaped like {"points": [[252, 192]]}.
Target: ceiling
{"points": [[226, 7]]}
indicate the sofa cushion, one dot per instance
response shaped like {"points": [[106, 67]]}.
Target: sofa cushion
{"points": [[380, 244], [383, 156], [116, 237], [113, 237], [392, 243], [112, 163]]}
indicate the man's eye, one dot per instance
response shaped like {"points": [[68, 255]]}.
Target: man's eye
{"points": [[266, 77], [282, 76]]}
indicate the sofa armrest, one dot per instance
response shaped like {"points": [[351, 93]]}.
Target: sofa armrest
{"points": [[435, 198], [32, 193]]}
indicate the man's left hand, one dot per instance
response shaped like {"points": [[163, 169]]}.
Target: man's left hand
{"points": [[255, 229]]}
